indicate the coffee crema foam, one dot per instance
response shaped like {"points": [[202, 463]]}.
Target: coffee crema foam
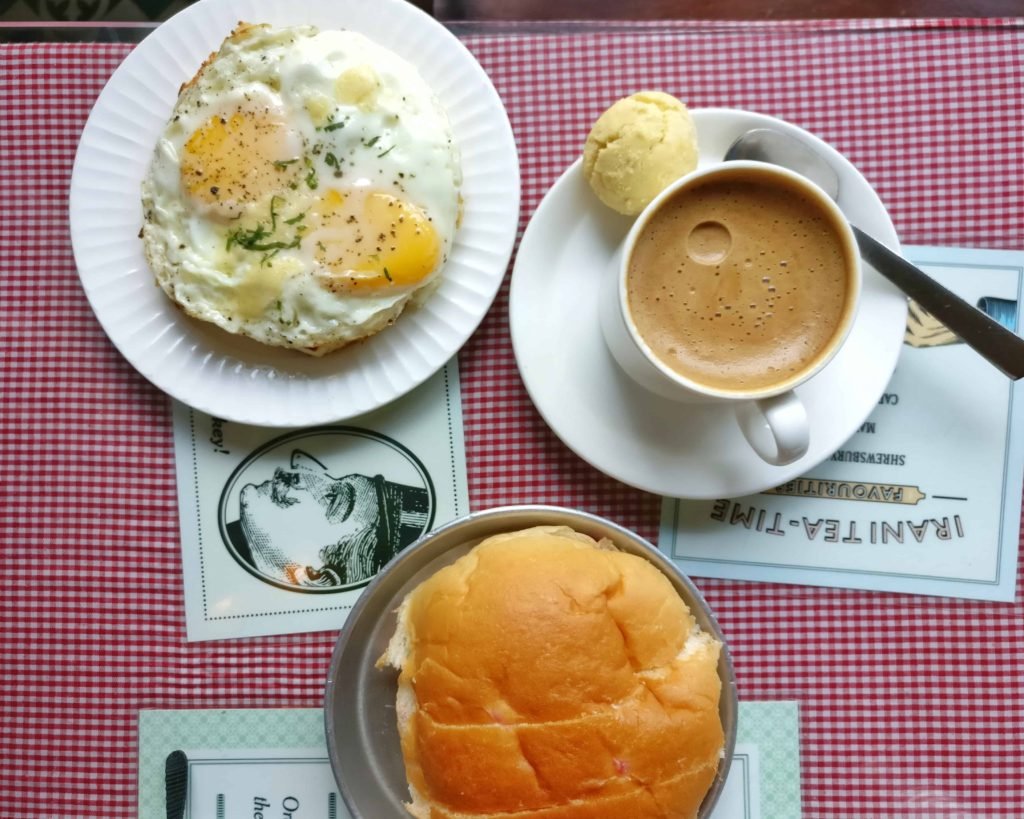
{"points": [[739, 283]]}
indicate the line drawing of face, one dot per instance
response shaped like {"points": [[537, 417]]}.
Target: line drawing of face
{"points": [[307, 528]]}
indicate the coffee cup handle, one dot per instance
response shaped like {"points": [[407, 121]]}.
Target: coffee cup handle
{"points": [[776, 427]]}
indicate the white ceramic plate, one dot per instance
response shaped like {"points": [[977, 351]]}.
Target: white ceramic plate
{"points": [[232, 377], [673, 449]]}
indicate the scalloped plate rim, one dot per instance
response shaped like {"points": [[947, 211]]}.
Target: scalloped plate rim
{"points": [[373, 372]]}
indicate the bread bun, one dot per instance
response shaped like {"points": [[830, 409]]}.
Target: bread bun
{"points": [[548, 676]]}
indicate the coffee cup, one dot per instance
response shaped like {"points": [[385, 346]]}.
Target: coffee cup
{"points": [[735, 285]]}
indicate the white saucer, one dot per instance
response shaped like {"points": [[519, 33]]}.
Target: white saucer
{"points": [[673, 449]]}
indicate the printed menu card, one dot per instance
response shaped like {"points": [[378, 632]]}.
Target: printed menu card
{"points": [[282, 529], [925, 498]]}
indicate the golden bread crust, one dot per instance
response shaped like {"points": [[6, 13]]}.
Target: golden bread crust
{"points": [[556, 678]]}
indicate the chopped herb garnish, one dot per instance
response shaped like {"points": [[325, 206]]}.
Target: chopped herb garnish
{"points": [[273, 213], [261, 239], [334, 126], [281, 164], [311, 179], [371, 141], [254, 240], [331, 159], [244, 238], [385, 153], [386, 274]]}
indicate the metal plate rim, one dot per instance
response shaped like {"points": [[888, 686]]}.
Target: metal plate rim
{"points": [[442, 546]]}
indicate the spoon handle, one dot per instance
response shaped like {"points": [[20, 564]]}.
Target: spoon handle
{"points": [[986, 336]]}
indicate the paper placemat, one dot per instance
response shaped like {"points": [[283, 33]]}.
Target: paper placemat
{"points": [[282, 529], [258, 753], [924, 498]]}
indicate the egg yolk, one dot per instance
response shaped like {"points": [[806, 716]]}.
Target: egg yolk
{"points": [[370, 241], [233, 161]]}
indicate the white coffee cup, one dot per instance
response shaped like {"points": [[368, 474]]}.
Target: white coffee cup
{"points": [[773, 419]]}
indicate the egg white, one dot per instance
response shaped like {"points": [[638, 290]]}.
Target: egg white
{"points": [[337, 118]]}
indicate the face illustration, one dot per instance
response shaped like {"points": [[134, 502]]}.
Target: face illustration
{"points": [[306, 527]]}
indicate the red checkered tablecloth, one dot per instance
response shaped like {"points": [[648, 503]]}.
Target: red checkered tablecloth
{"points": [[911, 706]]}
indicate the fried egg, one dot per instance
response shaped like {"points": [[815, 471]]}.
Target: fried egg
{"points": [[305, 191]]}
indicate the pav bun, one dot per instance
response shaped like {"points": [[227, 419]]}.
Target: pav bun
{"points": [[545, 675]]}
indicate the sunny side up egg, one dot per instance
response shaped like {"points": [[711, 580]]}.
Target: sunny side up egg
{"points": [[305, 190]]}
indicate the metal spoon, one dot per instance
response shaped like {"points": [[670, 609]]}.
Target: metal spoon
{"points": [[988, 337]]}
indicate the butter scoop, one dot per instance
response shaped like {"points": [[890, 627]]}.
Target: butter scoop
{"points": [[637, 148]]}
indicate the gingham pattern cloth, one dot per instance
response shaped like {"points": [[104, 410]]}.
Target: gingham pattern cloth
{"points": [[910, 706]]}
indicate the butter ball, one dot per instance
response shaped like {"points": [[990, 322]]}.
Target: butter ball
{"points": [[638, 147]]}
